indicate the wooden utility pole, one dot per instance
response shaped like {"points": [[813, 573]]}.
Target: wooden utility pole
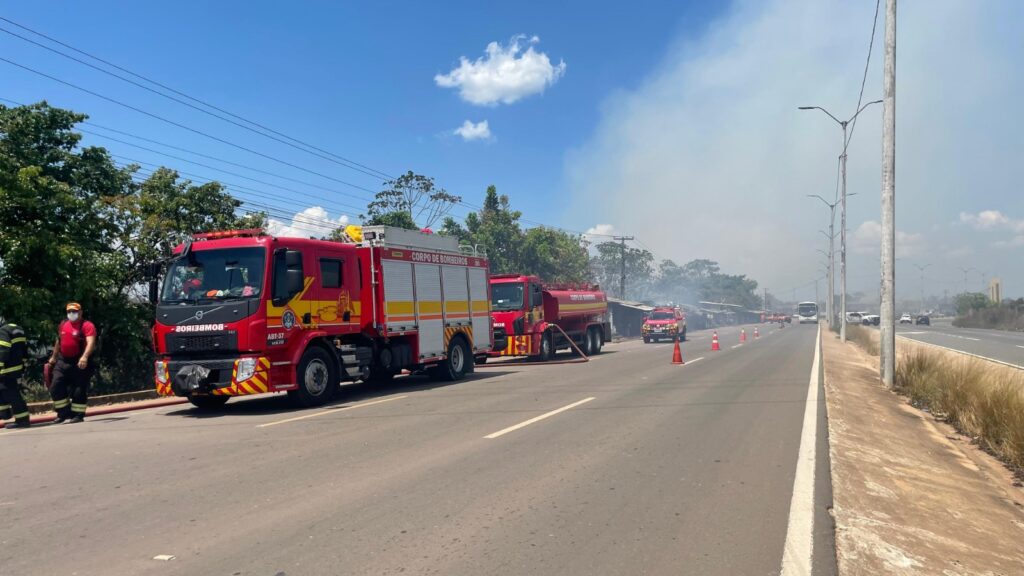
{"points": [[622, 258]]}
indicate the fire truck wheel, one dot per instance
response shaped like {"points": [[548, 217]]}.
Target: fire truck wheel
{"points": [[647, 340], [316, 378], [547, 347], [208, 402], [458, 363]]}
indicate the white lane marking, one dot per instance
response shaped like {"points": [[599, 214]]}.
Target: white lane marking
{"points": [[331, 411], [1019, 346], [698, 359], [536, 419], [737, 345], [958, 336], [962, 352], [799, 550]]}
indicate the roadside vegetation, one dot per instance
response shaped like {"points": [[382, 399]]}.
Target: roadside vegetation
{"points": [[982, 400], [975, 310], [866, 338]]}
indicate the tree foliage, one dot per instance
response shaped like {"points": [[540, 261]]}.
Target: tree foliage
{"points": [[75, 227], [411, 201], [553, 255]]}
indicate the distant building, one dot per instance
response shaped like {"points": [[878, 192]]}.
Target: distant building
{"points": [[995, 290]]}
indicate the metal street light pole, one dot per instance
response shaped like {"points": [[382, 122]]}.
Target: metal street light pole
{"points": [[922, 269], [842, 229], [965, 271], [830, 309]]}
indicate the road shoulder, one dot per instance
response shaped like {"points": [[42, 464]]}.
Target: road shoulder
{"points": [[908, 495]]}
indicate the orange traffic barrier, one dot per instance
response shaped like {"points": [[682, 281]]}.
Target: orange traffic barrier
{"points": [[677, 354], [743, 335], [714, 342]]}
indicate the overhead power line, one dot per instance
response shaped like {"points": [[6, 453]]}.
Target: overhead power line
{"points": [[263, 130], [182, 126], [864, 79]]}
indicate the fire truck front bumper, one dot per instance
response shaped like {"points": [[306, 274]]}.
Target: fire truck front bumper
{"points": [[216, 377]]}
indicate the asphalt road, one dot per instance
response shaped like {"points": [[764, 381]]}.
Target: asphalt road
{"points": [[999, 345], [640, 467]]}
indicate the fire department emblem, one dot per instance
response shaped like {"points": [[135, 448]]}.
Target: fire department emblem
{"points": [[288, 319]]}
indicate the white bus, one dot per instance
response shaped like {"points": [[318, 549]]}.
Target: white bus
{"points": [[806, 313]]}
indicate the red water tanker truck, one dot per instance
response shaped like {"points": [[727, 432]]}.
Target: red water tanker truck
{"points": [[539, 319]]}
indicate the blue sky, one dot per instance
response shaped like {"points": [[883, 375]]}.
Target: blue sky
{"points": [[672, 121]]}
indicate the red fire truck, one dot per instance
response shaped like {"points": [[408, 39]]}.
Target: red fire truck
{"points": [[242, 312], [528, 313]]}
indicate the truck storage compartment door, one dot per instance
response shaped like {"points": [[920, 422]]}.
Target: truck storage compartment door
{"points": [[428, 310], [456, 302], [399, 299], [480, 308]]}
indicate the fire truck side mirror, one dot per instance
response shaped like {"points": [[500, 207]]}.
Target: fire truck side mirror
{"points": [[294, 279], [154, 292], [293, 260]]}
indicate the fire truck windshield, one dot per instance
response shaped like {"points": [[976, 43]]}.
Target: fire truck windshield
{"points": [[218, 274], [662, 316], [507, 296]]}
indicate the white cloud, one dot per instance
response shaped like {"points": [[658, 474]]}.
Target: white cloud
{"points": [[708, 157], [505, 74], [984, 220], [311, 222], [470, 131], [601, 230], [867, 239], [1011, 243]]}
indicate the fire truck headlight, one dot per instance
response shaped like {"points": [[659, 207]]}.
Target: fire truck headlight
{"points": [[161, 371], [245, 368]]}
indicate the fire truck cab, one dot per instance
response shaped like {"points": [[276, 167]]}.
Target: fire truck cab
{"points": [[243, 312]]}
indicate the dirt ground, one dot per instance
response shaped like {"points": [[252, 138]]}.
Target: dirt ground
{"points": [[912, 496]]}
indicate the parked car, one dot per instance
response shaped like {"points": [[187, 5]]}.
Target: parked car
{"points": [[871, 320], [922, 319], [906, 319], [854, 317]]}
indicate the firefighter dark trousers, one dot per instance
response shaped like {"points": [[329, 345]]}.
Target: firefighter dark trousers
{"points": [[70, 390], [11, 400]]}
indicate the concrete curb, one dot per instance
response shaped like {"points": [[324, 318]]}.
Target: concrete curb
{"points": [[115, 408], [139, 395]]}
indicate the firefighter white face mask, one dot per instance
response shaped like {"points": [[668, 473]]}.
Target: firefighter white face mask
{"points": [[73, 316]]}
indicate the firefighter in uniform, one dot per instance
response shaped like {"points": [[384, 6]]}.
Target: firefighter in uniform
{"points": [[12, 366], [76, 341]]}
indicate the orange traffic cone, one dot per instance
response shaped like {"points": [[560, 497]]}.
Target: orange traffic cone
{"points": [[743, 335], [677, 354], [756, 335], [714, 342]]}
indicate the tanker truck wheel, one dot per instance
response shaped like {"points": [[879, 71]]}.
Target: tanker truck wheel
{"points": [[317, 379], [587, 344], [595, 341]]}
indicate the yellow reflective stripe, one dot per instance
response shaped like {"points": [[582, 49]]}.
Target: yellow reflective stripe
{"points": [[4, 407], [21, 415], [61, 403], [78, 407], [12, 369], [5, 343], [18, 340]]}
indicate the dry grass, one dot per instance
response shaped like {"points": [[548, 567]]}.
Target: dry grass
{"points": [[866, 338], [983, 400]]}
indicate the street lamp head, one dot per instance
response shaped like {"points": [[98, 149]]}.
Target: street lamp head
{"points": [[806, 107]]}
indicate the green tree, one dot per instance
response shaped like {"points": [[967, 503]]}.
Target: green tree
{"points": [[555, 256], [410, 199], [607, 269], [969, 301], [75, 227]]}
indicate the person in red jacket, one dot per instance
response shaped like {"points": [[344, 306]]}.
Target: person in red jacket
{"points": [[76, 341]]}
